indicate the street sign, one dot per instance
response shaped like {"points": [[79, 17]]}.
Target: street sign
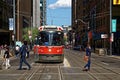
{"points": [[104, 36], [112, 37], [114, 22]]}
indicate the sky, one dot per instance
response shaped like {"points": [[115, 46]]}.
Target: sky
{"points": [[59, 12]]}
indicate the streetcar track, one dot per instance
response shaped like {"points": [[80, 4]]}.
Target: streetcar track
{"points": [[106, 68], [44, 66], [32, 73], [75, 59], [25, 73], [60, 73], [91, 74], [93, 78]]}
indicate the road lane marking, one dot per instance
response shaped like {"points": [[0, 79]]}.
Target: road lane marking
{"points": [[66, 63], [104, 63]]}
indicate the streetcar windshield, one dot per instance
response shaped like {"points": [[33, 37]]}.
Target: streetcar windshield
{"points": [[50, 38]]}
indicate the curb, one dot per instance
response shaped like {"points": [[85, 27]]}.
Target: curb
{"points": [[117, 57]]}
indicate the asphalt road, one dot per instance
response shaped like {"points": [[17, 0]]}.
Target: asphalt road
{"points": [[102, 68]]}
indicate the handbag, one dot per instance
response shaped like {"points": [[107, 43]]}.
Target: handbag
{"points": [[86, 58]]}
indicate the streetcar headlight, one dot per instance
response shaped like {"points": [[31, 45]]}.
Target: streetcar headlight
{"points": [[41, 50], [49, 50], [58, 50]]}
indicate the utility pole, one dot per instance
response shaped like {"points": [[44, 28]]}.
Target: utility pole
{"points": [[14, 29], [110, 27], [75, 9], [86, 23], [18, 17]]}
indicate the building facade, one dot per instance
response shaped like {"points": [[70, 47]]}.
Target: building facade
{"points": [[92, 22], [36, 13], [42, 12], [5, 14], [24, 15]]}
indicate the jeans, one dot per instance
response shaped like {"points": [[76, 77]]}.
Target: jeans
{"points": [[23, 59], [88, 64], [7, 63]]}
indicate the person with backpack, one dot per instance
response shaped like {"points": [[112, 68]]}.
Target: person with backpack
{"points": [[23, 52]]}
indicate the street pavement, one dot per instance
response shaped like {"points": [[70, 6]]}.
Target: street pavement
{"points": [[102, 68]]}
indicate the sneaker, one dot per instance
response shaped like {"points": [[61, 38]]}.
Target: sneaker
{"points": [[85, 70], [29, 68], [19, 69], [6, 68]]}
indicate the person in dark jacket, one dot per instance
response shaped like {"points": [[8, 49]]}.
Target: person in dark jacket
{"points": [[88, 53], [23, 52]]}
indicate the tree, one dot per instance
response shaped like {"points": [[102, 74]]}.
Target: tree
{"points": [[33, 32]]}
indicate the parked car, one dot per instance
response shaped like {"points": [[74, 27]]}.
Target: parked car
{"points": [[79, 48]]}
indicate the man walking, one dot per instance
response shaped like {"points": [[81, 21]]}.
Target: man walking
{"points": [[23, 52]]}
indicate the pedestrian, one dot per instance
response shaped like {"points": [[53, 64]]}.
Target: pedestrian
{"points": [[6, 58], [28, 51], [88, 58], [2, 54], [23, 52], [17, 48]]}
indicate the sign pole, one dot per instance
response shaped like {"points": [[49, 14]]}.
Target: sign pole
{"points": [[14, 29], [110, 26]]}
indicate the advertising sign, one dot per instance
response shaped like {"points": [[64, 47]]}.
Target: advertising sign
{"points": [[116, 2], [10, 23], [104, 36], [114, 22]]}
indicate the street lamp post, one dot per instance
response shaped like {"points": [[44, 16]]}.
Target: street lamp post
{"points": [[86, 23], [14, 29], [110, 26]]}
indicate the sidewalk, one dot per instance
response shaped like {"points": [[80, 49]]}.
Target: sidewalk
{"points": [[2, 60], [112, 56]]}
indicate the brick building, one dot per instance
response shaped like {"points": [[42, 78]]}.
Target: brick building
{"points": [[24, 10], [93, 16]]}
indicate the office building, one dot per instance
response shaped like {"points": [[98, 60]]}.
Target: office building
{"points": [[5, 15], [92, 22]]}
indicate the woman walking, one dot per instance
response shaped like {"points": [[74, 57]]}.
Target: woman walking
{"points": [[88, 55], [6, 57]]}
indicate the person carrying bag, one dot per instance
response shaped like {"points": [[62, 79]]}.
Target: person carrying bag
{"points": [[87, 58]]}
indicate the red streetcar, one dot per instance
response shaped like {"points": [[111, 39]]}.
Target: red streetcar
{"points": [[49, 44]]}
